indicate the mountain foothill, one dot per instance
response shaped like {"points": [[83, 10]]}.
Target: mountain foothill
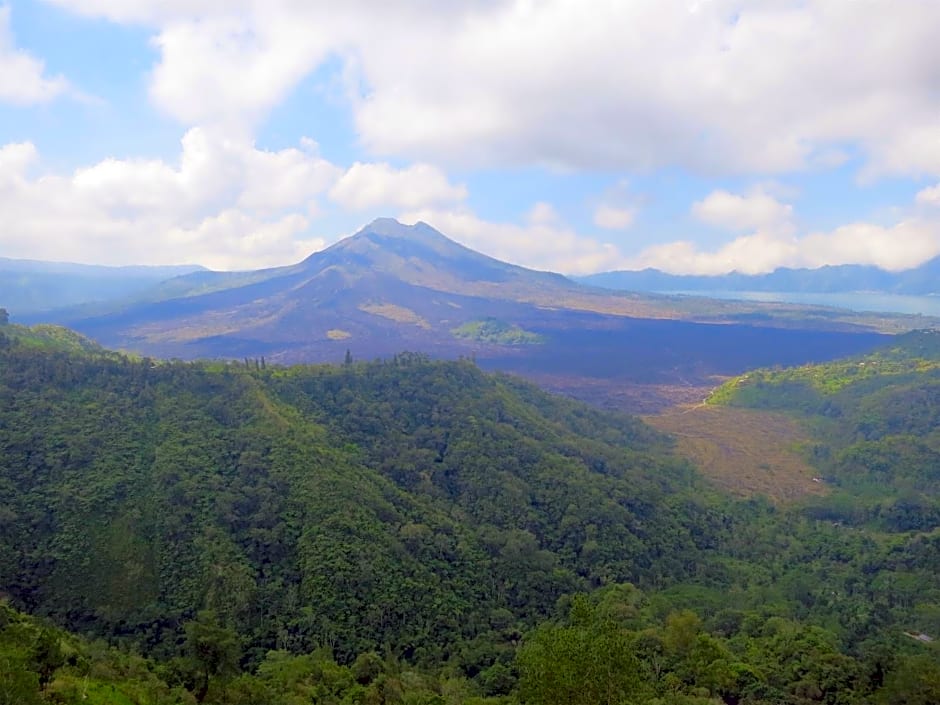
{"points": [[326, 483]]}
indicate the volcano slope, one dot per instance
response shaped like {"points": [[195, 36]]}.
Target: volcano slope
{"points": [[392, 287]]}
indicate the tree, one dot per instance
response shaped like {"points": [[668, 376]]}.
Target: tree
{"points": [[213, 649], [589, 663], [915, 682], [348, 359], [4, 317], [47, 655], [18, 684]]}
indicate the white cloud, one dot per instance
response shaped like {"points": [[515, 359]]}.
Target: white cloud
{"points": [[151, 12], [773, 241], [226, 205], [365, 186], [756, 210], [543, 213], [770, 243], [15, 161], [750, 254], [613, 217], [929, 196], [550, 245], [213, 173], [730, 87], [236, 240], [901, 246], [230, 70], [721, 86], [22, 77]]}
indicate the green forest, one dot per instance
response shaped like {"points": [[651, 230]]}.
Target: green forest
{"points": [[417, 531], [875, 421]]}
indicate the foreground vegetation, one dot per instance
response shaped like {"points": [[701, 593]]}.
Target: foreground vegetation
{"points": [[418, 532], [611, 648]]}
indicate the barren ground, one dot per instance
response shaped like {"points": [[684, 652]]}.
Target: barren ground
{"points": [[744, 451]]}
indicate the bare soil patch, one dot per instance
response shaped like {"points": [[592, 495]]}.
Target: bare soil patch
{"points": [[743, 451]]}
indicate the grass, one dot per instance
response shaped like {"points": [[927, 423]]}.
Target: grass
{"points": [[50, 337], [826, 379]]}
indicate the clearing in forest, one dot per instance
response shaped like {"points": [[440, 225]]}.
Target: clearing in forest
{"points": [[744, 451]]}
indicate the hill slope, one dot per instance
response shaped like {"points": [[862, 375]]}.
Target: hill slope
{"points": [[426, 510], [29, 286], [358, 505], [875, 426]]}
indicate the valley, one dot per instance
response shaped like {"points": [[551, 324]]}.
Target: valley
{"points": [[348, 481], [647, 365], [337, 519], [746, 452], [503, 352]]}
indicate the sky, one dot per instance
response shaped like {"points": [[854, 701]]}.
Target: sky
{"points": [[694, 136]]}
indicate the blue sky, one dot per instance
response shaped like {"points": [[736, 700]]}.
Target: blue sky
{"points": [[690, 135]]}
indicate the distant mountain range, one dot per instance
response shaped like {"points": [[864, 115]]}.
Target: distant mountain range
{"points": [[29, 286], [389, 287], [392, 287], [847, 278]]}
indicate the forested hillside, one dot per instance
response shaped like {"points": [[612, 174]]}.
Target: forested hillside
{"points": [[876, 423], [412, 531]]}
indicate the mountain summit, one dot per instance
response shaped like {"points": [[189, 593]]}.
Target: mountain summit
{"points": [[386, 288], [389, 234], [393, 287], [420, 255]]}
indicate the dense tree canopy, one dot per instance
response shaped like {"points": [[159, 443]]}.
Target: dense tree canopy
{"points": [[422, 532]]}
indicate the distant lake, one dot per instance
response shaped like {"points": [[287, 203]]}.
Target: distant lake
{"points": [[860, 301]]}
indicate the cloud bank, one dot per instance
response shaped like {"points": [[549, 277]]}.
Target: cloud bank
{"points": [[772, 240], [226, 205], [716, 88]]}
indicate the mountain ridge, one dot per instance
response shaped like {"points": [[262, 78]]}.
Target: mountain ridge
{"points": [[394, 287], [30, 265], [413, 268], [30, 286], [844, 278]]}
